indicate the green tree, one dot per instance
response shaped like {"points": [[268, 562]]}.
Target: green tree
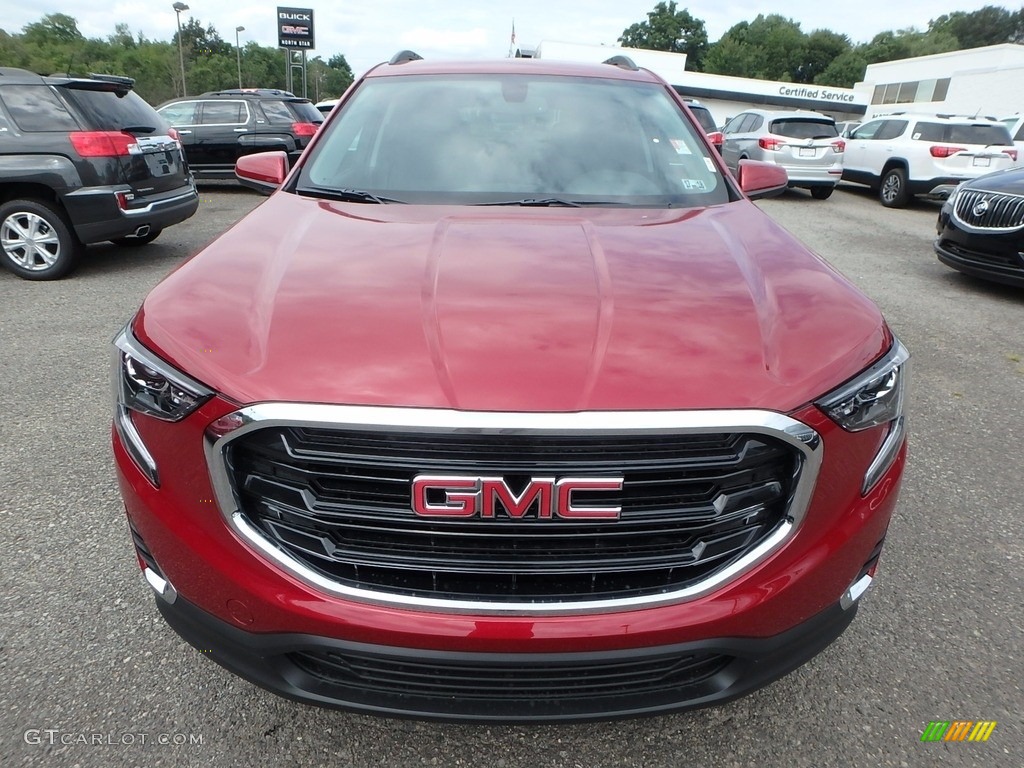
{"points": [[990, 25], [667, 29], [770, 47], [821, 48], [52, 28], [845, 70]]}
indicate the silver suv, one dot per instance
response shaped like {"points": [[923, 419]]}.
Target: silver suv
{"points": [[903, 154], [806, 144]]}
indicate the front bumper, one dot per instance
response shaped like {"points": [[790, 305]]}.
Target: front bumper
{"points": [[287, 635], [994, 258], [509, 687]]}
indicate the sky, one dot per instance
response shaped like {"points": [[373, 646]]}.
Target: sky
{"points": [[371, 31]]}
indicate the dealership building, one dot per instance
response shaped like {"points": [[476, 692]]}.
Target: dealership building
{"points": [[986, 81], [725, 96]]}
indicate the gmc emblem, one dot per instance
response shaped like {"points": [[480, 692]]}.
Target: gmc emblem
{"points": [[464, 496]]}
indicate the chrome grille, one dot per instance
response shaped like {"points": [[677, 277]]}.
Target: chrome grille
{"points": [[997, 211], [332, 503]]}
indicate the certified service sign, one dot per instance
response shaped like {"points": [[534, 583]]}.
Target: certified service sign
{"points": [[295, 28]]}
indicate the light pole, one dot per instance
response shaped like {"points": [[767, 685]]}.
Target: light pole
{"points": [[238, 52], [178, 8]]}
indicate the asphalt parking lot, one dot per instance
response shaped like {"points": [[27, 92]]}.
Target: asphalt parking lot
{"points": [[91, 676]]}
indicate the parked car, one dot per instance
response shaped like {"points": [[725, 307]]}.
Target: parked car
{"points": [[981, 228], [509, 405], [327, 105], [707, 122], [806, 144], [1015, 125], [847, 127], [219, 127], [82, 160], [903, 154]]}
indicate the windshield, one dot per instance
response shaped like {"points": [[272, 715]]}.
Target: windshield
{"points": [[515, 139]]}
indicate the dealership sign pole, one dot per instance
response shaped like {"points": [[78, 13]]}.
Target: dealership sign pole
{"points": [[295, 36]]}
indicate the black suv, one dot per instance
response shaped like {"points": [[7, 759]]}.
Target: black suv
{"points": [[82, 160], [218, 127]]}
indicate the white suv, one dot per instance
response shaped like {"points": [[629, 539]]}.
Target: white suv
{"points": [[1015, 124], [902, 155]]}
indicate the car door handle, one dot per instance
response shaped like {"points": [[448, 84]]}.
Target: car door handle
{"points": [[241, 130], [184, 133]]}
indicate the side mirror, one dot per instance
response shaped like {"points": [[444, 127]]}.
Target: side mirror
{"points": [[263, 171], [759, 180]]}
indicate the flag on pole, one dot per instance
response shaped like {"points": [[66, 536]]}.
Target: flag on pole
{"points": [[512, 43]]}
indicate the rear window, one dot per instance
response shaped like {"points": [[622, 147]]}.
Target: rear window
{"points": [[803, 128], [37, 108], [959, 133], [277, 112], [112, 111], [703, 115], [306, 111]]}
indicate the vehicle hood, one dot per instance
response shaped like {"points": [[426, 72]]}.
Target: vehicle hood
{"points": [[1009, 181], [512, 309]]}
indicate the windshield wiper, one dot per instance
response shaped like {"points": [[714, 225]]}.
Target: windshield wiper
{"points": [[349, 195], [542, 202]]}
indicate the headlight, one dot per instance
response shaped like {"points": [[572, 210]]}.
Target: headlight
{"points": [[874, 398], [146, 384]]}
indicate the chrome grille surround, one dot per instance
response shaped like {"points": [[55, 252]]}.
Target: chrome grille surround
{"points": [[805, 442], [981, 210]]}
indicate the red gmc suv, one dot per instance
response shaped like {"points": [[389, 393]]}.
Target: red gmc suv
{"points": [[508, 404]]}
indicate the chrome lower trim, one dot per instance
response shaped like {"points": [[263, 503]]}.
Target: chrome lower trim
{"points": [[149, 208], [886, 455], [800, 436], [855, 592], [134, 445], [161, 586]]}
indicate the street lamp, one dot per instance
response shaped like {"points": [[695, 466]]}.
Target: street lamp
{"points": [[178, 8], [238, 52]]}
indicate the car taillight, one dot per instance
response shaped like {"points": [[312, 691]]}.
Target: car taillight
{"points": [[717, 138], [102, 143], [771, 144], [941, 150], [1012, 153], [304, 129], [839, 146]]}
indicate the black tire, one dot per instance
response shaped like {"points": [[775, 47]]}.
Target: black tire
{"points": [[36, 242], [822, 193], [893, 191], [132, 240]]}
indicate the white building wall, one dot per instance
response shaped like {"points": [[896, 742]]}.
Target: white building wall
{"points": [[985, 81]]}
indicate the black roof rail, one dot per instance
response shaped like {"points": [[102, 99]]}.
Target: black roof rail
{"points": [[622, 62], [404, 57], [250, 92]]}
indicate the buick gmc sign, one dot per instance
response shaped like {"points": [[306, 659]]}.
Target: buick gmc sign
{"points": [[295, 28]]}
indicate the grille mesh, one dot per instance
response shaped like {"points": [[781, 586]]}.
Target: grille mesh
{"points": [[339, 501], [479, 682], [990, 210]]}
